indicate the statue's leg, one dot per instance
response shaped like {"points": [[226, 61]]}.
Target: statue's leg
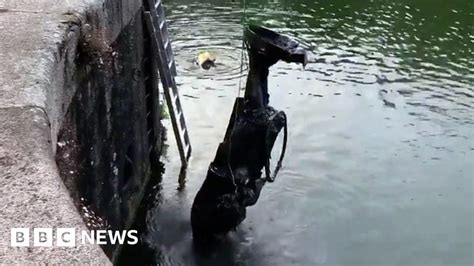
{"points": [[256, 89]]}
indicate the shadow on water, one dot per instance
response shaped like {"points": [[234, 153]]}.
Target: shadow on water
{"points": [[379, 167], [143, 253], [166, 237]]}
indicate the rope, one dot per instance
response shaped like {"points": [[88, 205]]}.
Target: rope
{"points": [[242, 48], [242, 62], [269, 177]]}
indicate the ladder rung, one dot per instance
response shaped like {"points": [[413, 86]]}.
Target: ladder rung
{"points": [[182, 134], [162, 24], [178, 112], [157, 3], [182, 121], [170, 64], [177, 109], [166, 44], [186, 148], [174, 89], [176, 100]]}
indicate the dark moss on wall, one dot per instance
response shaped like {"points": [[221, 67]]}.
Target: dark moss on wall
{"points": [[110, 140]]}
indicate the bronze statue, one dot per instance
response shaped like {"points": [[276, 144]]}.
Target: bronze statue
{"points": [[234, 179]]}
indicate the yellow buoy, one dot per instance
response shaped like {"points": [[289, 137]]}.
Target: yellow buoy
{"points": [[206, 60]]}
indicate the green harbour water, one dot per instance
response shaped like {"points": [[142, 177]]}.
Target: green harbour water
{"points": [[379, 168]]}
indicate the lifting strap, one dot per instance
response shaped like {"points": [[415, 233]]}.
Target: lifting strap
{"points": [[268, 175]]}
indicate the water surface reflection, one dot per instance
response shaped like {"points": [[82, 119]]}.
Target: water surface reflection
{"points": [[379, 168]]}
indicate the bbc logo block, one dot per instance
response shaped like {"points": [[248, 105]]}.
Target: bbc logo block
{"points": [[66, 237], [20, 237], [43, 237]]}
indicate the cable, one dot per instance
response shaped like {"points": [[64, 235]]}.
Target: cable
{"points": [[269, 177], [242, 55]]}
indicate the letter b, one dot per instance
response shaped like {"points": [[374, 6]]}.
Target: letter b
{"points": [[43, 237], [20, 237]]}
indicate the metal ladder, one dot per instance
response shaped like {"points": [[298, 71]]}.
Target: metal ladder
{"points": [[163, 53]]}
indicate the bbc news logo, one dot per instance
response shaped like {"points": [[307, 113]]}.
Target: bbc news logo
{"points": [[66, 237]]}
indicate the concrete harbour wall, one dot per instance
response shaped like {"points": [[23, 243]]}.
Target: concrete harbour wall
{"points": [[79, 121]]}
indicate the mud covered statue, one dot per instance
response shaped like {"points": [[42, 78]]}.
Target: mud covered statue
{"points": [[235, 179]]}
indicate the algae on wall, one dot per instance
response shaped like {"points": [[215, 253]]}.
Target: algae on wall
{"points": [[110, 140]]}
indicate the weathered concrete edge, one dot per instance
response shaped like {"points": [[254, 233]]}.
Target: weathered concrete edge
{"points": [[32, 191]]}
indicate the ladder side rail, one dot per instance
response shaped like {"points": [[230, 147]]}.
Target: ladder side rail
{"points": [[168, 83], [157, 11]]}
